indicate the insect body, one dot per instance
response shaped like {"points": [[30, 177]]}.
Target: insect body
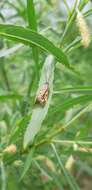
{"points": [[42, 95]]}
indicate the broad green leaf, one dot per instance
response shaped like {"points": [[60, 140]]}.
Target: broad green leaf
{"points": [[39, 112], [29, 37], [28, 162]]}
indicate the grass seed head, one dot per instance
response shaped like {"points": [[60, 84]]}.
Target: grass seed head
{"points": [[84, 30], [10, 149]]}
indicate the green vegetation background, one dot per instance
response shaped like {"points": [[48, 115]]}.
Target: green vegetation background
{"points": [[66, 124]]}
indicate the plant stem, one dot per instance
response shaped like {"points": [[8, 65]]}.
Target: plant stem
{"points": [[71, 142]]}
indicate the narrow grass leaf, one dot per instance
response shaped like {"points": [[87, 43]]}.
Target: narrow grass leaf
{"points": [[39, 112], [72, 102], [33, 25], [43, 172], [88, 13], [28, 163], [77, 89], [19, 130], [31, 15], [68, 178]]}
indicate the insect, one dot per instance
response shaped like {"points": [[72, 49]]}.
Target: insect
{"points": [[42, 95]]}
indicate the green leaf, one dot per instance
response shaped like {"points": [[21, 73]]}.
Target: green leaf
{"points": [[29, 37], [28, 162], [39, 112]]}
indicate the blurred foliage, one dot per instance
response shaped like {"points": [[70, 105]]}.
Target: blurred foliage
{"points": [[66, 130]]}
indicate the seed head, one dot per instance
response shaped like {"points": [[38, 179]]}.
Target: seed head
{"points": [[69, 164], [49, 164], [10, 149], [84, 30]]}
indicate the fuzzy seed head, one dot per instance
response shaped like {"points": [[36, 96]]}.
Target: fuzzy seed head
{"points": [[84, 30], [50, 164], [70, 162], [10, 149]]}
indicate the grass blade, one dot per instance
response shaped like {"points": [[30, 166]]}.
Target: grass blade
{"points": [[28, 163], [79, 89], [33, 26], [71, 102], [19, 130], [42, 170], [31, 15], [70, 182]]}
